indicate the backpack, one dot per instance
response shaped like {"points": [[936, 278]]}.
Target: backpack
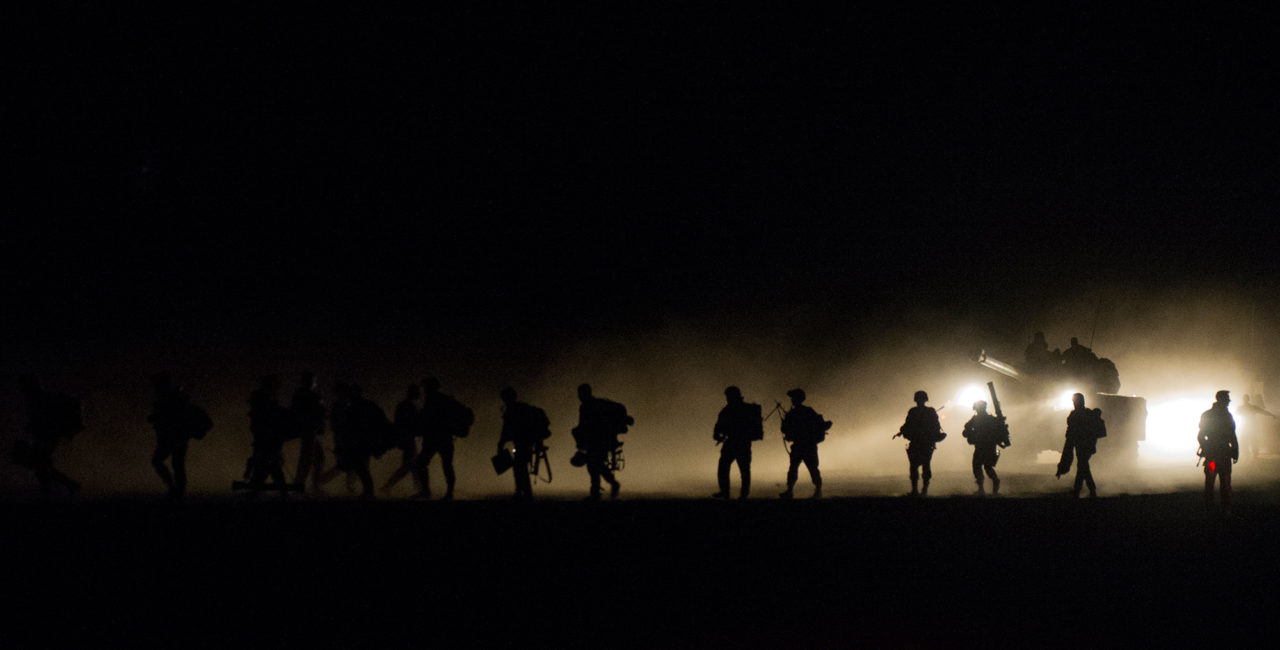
{"points": [[538, 423], [615, 416], [197, 422], [459, 419]]}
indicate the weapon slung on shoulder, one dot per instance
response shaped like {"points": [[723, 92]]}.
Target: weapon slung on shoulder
{"points": [[995, 403]]}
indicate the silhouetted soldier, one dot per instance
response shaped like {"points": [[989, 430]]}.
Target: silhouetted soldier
{"points": [[1253, 423], [442, 419], [525, 427], [1219, 448], [405, 424], [1078, 359], [986, 432], [1038, 357], [308, 413], [361, 431], [923, 431], [737, 426], [176, 421], [50, 418], [268, 422], [1084, 427], [599, 423], [804, 429]]}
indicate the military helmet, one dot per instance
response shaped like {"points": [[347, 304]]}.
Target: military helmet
{"points": [[980, 405], [733, 391], [921, 396], [796, 394]]}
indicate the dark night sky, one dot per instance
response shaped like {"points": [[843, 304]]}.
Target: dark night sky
{"points": [[250, 178]]}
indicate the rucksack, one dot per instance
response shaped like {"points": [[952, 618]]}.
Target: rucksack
{"points": [[615, 416], [197, 422], [539, 424], [460, 419]]}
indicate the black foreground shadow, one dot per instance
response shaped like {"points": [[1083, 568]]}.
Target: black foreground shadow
{"points": [[891, 572]]}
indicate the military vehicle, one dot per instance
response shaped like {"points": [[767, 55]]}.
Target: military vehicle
{"points": [[1037, 398]]}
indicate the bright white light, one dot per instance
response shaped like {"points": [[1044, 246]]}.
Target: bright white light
{"points": [[1172, 426], [969, 395], [1064, 403]]}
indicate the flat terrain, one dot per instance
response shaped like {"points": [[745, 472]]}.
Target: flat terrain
{"points": [[843, 572]]}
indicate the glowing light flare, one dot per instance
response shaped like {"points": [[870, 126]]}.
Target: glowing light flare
{"points": [[1172, 426], [968, 395], [1064, 403]]}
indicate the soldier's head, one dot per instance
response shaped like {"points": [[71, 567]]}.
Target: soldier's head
{"points": [[584, 392], [1075, 342], [431, 385], [413, 392], [1223, 397], [1077, 400], [309, 380], [980, 406], [733, 395], [797, 396], [921, 397], [508, 395]]}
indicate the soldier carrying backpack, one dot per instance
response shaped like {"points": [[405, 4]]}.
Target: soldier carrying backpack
{"points": [[804, 429], [737, 426], [600, 422], [443, 418], [1219, 448], [923, 432], [1084, 427], [177, 421], [526, 427]]}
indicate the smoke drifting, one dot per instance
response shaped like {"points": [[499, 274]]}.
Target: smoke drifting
{"points": [[859, 370]]}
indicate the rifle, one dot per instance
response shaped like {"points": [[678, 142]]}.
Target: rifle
{"points": [[995, 402], [778, 408], [540, 460]]}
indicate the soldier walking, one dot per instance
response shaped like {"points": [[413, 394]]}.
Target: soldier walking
{"points": [[525, 427], [268, 424], [176, 421], [804, 429], [923, 432], [1084, 427], [600, 421], [308, 412], [737, 426], [405, 424], [51, 418], [986, 433], [1219, 448], [443, 418]]}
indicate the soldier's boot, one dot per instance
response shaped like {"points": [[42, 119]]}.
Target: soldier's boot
{"points": [[982, 490], [746, 488], [817, 492], [915, 490], [788, 494], [613, 490], [995, 486], [924, 491], [595, 495]]}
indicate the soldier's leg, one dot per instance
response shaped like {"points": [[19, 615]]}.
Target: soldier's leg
{"points": [[366, 479], [722, 470], [595, 463], [157, 461], [306, 454], [744, 468], [180, 471], [793, 471], [1209, 473], [524, 484], [277, 475], [1224, 479], [446, 461], [1084, 473], [927, 472], [913, 472], [421, 469], [977, 471], [815, 475]]}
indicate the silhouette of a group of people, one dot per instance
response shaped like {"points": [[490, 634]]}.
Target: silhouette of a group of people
{"points": [[362, 431]]}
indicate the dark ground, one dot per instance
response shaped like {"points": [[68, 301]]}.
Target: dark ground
{"points": [[885, 572]]}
